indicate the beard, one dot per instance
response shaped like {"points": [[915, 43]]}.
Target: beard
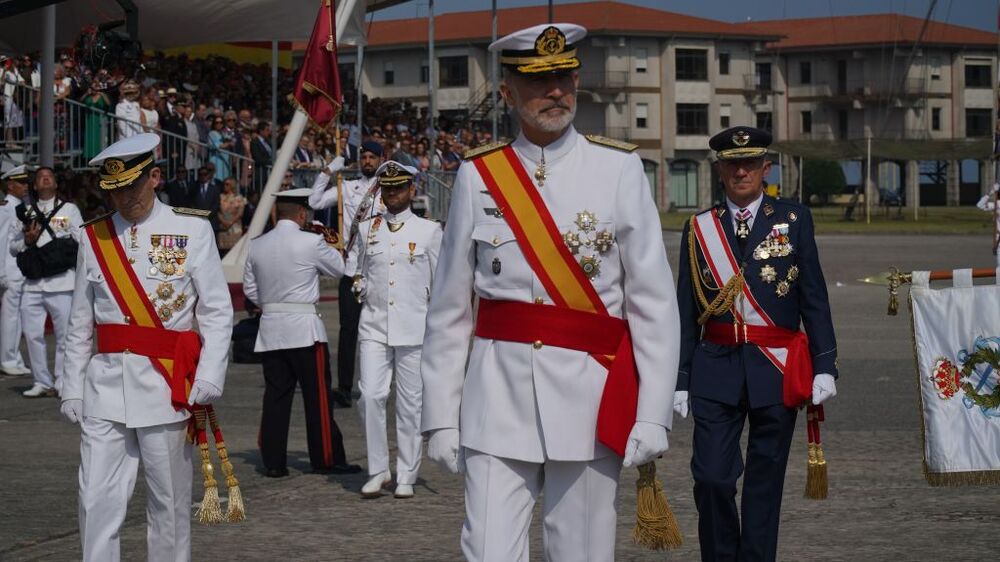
{"points": [[546, 122]]}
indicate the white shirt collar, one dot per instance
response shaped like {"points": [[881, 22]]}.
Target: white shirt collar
{"points": [[405, 214], [553, 151], [753, 207]]}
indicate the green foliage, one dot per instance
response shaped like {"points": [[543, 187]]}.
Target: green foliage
{"points": [[822, 178]]}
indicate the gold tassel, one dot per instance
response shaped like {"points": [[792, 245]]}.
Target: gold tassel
{"points": [[236, 511], [655, 527], [817, 482], [210, 511]]}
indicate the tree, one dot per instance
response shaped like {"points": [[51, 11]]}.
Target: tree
{"points": [[822, 179]]}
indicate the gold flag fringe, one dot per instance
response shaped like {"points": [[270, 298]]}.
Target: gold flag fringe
{"points": [[210, 511], [236, 511], [967, 478], [656, 527]]}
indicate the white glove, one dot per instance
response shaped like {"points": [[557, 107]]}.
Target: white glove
{"points": [[681, 403], [360, 289], [203, 392], [335, 165], [72, 410], [824, 388], [443, 448], [646, 442]]}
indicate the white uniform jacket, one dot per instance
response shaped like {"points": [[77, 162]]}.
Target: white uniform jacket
{"points": [[65, 223], [530, 404], [354, 193], [10, 274], [397, 268], [125, 387], [283, 267], [132, 111]]}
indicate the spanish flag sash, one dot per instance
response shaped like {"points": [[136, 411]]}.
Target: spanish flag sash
{"points": [[574, 296], [172, 353]]}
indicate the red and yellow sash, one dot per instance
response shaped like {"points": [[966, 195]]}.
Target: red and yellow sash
{"points": [[542, 245], [173, 354]]}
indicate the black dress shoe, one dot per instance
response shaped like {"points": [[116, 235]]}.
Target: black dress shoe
{"points": [[342, 468], [275, 472], [342, 399]]}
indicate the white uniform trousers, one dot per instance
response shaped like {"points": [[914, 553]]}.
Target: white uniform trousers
{"points": [[34, 306], [10, 327], [378, 362], [109, 460], [580, 511]]}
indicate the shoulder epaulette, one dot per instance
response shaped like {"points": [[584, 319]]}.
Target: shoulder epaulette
{"points": [[98, 219], [309, 230], [484, 149], [612, 143], [187, 211]]}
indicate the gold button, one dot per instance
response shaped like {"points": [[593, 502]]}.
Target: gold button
{"points": [[496, 240], [393, 243], [128, 319], [131, 260], [392, 303], [391, 283], [537, 344], [126, 351], [539, 300], [392, 262]]}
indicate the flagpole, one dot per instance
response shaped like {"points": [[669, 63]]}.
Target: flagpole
{"points": [[431, 83], [495, 85], [232, 263]]}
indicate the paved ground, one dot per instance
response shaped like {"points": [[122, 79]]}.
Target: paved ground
{"points": [[879, 509]]}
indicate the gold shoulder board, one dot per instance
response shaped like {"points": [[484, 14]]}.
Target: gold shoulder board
{"points": [[612, 143], [98, 219], [187, 211], [484, 149]]}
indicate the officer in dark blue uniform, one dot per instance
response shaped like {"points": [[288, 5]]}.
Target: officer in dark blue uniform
{"points": [[774, 283]]}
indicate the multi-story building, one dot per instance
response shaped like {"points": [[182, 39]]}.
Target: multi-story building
{"points": [[668, 81]]}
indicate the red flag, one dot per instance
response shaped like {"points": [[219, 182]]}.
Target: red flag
{"points": [[317, 89]]}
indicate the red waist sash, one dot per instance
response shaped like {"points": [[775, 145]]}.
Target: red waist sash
{"points": [[184, 348], [606, 338], [798, 375]]}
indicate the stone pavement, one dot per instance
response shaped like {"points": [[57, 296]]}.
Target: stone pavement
{"points": [[879, 506]]}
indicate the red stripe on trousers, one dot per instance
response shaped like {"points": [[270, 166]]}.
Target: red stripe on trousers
{"points": [[324, 405]]}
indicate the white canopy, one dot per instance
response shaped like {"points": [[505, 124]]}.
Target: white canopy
{"points": [[177, 23]]}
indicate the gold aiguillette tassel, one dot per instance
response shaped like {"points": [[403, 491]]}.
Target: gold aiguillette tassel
{"points": [[210, 511], [817, 481], [237, 510], [655, 527]]}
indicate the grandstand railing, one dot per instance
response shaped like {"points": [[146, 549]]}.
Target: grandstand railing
{"points": [[79, 127], [437, 187]]}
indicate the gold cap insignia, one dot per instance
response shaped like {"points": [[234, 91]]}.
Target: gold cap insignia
{"points": [[391, 170], [741, 138], [114, 166], [550, 42]]}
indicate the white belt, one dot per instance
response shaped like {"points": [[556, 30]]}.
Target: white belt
{"points": [[293, 307]]}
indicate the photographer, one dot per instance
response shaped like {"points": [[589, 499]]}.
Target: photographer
{"points": [[44, 241]]}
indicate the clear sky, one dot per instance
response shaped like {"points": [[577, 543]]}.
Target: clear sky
{"points": [[981, 14]]}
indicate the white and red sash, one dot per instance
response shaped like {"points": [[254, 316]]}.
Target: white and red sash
{"points": [[721, 260]]}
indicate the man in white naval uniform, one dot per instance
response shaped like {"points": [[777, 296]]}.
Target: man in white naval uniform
{"points": [[281, 276], [324, 196], [11, 279], [121, 401], [396, 256], [522, 418], [129, 111], [51, 294], [988, 203]]}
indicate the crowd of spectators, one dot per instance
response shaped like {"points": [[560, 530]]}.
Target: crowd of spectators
{"points": [[214, 118]]}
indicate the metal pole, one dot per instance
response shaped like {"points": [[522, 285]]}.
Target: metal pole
{"points": [[550, 10], [46, 107], [800, 179], [361, 72], [495, 82], [431, 82], [274, 93], [868, 178]]}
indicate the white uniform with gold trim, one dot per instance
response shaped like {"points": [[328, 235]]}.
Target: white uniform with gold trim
{"points": [[127, 414], [528, 416], [397, 269], [324, 196], [49, 295]]}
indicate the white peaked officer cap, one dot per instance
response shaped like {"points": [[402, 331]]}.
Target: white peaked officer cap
{"points": [[124, 161], [392, 174], [547, 48], [17, 173], [298, 195]]}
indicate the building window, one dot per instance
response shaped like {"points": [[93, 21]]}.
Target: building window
{"points": [[454, 71], [935, 118], [692, 119], [692, 64], [725, 115], [807, 121], [641, 61], [683, 183], [805, 72], [346, 71], [978, 76], [977, 122], [935, 68], [763, 77], [388, 74], [724, 64], [641, 115], [425, 72], [764, 120], [842, 123]]}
